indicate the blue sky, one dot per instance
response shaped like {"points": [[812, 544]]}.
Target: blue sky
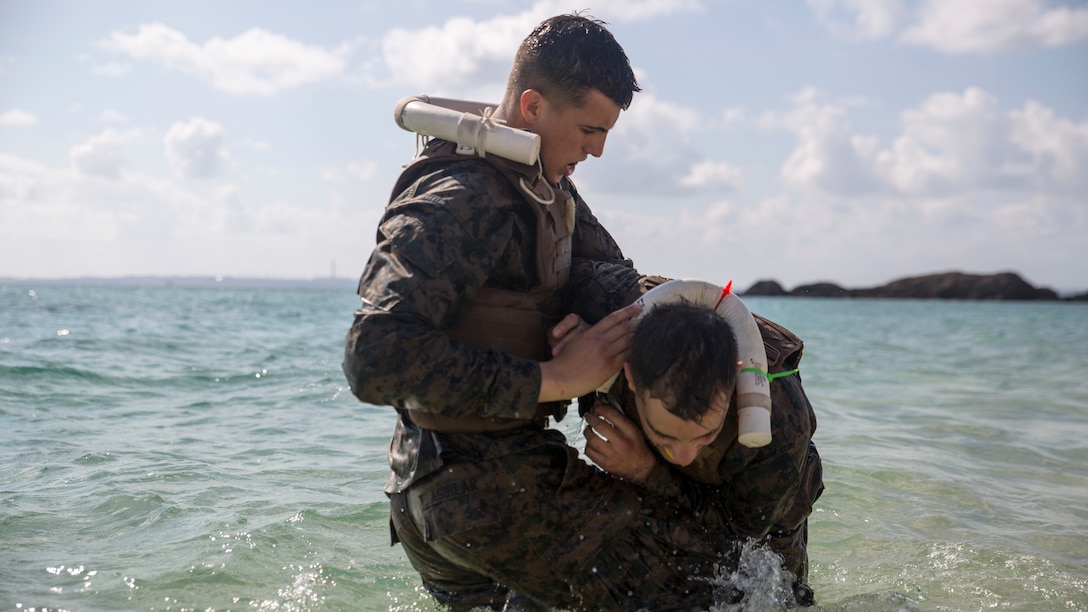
{"points": [[853, 141]]}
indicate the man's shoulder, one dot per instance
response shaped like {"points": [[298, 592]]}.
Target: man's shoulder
{"points": [[453, 180], [430, 172], [783, 347]]}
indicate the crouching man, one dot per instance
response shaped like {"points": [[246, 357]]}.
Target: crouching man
{"points": [[668, 424]]}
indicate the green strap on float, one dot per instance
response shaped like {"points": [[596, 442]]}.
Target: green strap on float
{"points": [[770, 377]]}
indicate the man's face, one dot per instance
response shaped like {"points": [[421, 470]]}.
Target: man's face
{"points": [[677, 440], [568, 135]]}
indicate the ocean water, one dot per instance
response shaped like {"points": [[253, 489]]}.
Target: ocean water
{"points": [[197, 449]]}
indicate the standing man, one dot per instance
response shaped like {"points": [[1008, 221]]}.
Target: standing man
{"points": [[472, 261]]}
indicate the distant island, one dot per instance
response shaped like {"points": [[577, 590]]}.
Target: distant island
{"points": [[942, 286]]}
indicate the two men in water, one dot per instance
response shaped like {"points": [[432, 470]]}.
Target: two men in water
{"points": [[473, 258]]}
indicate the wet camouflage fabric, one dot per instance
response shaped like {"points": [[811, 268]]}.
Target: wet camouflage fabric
{"points": [[766, 493], [518, 508], [455, 228], [555, 529], [451, 232]]}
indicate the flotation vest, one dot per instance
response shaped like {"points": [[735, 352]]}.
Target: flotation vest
{"points": [[514, 321]]}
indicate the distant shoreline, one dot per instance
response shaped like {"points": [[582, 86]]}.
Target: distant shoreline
{"points": [[191, 282], [945, 285]]}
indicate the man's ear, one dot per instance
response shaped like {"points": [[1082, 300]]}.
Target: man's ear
{"points": [[529, 105], [740, 365], [627, 374]]}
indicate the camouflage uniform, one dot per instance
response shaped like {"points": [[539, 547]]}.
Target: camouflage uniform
{"points": [[479, 512], [764, 493]]}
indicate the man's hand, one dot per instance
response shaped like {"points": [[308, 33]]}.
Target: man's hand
{"points": [[584, 357], [570, 327], [617, 445]]}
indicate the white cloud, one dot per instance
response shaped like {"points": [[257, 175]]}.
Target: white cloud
{"points": [[195, 149], [103, 155], [111, 116], [18, 180], [710, 173], [828, 155], [47, 206], [111, 69], [83, 225], [859, 19], [360, 170], [960, 26], [622, 10], [464, 56], [17, 117], [657, 151], [363, 170], [953, 143], [254, 62], [733, 116], [1058, 147], [459, 53], [967, 26]]}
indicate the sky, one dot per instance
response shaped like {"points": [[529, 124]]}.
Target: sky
{"points": [[848, 141]]}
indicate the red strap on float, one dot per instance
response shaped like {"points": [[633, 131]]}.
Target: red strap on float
{"points": [[725, 291]]}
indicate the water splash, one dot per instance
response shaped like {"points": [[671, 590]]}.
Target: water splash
{"points": [[758, 582]]}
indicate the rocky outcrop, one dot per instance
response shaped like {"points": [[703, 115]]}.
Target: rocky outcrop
{"points": [[960, 286], [766, 287], [820, 290], [947, 286]]}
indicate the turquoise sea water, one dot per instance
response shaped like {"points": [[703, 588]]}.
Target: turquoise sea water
{"points": [[197, 449]]}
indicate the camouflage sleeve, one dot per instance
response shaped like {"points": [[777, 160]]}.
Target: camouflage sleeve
{"points": [[665, 483], [598, 288], [591, 240], [437, 245], [602, 280]]}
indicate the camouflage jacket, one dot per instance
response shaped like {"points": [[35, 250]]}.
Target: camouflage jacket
{"points": [[456, 227]]}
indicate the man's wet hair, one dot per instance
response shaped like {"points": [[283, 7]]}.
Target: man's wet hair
{"points": [[684, 355], [568, 55]]}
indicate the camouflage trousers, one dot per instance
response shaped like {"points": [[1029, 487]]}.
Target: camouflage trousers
{"points": [[547, 525]]}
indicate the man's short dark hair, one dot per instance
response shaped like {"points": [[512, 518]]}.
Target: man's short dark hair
{"points": [[684, 355], [568, 55]]}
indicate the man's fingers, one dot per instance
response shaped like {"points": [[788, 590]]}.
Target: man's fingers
{"points": [[565, 331], [622, 424], [624, 313], [568, 323], [621, 321]]}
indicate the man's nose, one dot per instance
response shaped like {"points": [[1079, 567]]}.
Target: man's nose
{"points": [[685, 453], [594, 147]]}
